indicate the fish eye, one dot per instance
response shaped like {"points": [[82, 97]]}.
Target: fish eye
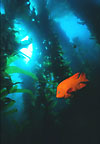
{"points": [[58, 92]]}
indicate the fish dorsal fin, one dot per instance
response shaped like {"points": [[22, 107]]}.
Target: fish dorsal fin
{"points": [[75, 76]]}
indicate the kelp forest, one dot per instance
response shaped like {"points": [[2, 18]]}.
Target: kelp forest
{"points": [[42, 43]]}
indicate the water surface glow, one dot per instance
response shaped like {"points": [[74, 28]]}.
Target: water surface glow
{"points": [[27, 52], [2, 10], [70, 25], [26, 38]]}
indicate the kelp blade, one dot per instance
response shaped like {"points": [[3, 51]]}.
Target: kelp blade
{"points": [[15, 90], [14, 69], [11, 111], [21, 91], [12, 59]]}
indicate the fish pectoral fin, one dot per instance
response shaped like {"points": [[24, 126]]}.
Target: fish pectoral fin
{"points": [[67, 95], [69, 90]]}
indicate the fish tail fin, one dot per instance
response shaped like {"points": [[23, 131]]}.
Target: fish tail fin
{"points": [[83, 78], [81, 85]]}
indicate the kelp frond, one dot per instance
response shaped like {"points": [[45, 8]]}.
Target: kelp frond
{"points": [[15, 69], [12, 59], [14, 89]]}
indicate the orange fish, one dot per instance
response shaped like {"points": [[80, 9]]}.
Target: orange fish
{"points": [[71, 84]]}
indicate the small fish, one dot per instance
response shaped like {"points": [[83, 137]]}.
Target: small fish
{"points": [[74, 46], [92, 38], [71, 84], [81, 22]]}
